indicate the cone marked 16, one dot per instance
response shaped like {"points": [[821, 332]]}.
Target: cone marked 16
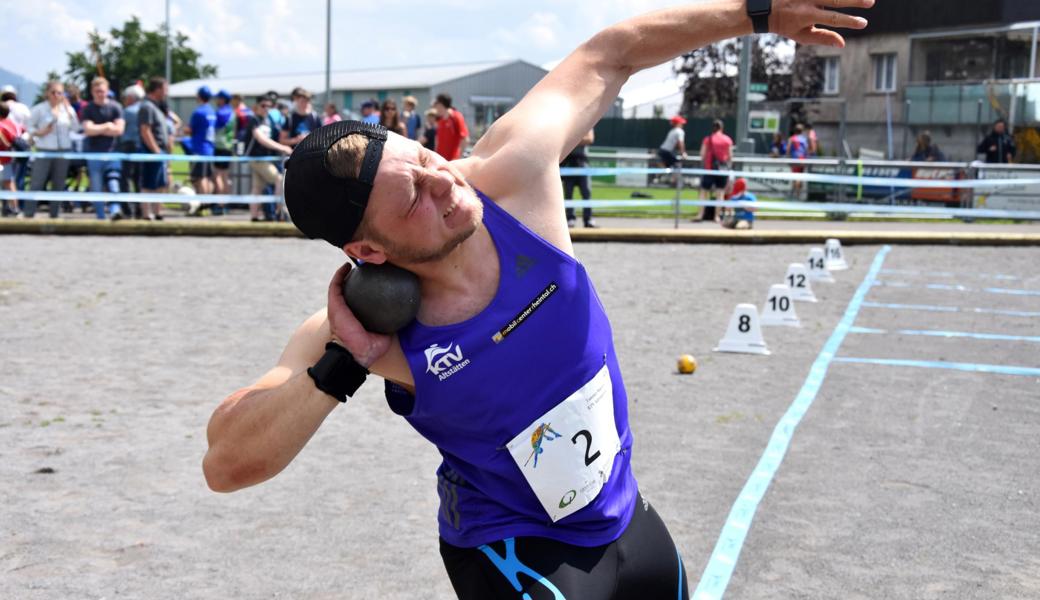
{"points": [[835, 257]]}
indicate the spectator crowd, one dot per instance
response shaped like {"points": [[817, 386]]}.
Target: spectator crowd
{"points": [[222, 124]]}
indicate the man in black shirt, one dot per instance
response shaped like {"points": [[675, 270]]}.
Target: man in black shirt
{"points": [[102, 125], [302, 121], [578, 158], [998, 146]]}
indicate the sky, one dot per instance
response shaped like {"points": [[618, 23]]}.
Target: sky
{"points": [[256, 37]]}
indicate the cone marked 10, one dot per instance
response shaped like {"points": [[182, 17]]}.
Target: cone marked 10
{"points": [[779, 308]]}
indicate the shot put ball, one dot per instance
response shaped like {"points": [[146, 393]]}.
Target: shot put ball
{"points": [[384, 298]]}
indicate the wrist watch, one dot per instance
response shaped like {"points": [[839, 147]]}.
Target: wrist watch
{"points": [[337, 373], [759, 11]]}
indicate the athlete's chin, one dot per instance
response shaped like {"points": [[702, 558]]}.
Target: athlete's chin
{"points": [[471, 209]]}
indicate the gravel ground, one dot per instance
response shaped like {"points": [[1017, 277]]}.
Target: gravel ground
{"points": [[899, 483]]}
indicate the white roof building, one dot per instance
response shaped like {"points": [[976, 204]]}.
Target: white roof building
{"points": [[481, 90]]}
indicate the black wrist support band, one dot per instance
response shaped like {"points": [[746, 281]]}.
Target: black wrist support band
{"points": [[337, 373], [759, 11]]}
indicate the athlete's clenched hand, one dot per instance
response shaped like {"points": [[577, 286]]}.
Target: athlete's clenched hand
{"points": [[366, 347]]}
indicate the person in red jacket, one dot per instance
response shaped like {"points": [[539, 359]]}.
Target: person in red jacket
{"points": [[452, 133], [9, 132]]}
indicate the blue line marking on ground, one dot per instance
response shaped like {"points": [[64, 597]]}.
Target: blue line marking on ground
{"points": [[715, 578], [911, 307], [952, 334], [953, 309], [960, 288], [935, 364], [866, 330], [1013, 292], [999, 276], [948, 287]]}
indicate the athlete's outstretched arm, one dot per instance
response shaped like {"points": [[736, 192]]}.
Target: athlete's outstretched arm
{"points": [[556, 113]]}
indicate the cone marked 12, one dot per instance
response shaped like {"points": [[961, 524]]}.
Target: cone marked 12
{"points": [[779, 308], [797, 279], [818, 266], [744, 334], [835, 258]]}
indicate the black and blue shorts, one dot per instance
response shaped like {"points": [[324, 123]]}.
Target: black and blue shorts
{"points": [[641, 564]]}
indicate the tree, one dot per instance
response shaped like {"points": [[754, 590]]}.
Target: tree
{"points": [[131, 53], [711, 89], [712, 86], [806, 82]]}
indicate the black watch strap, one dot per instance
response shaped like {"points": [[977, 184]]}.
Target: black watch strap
{"points": [[337, 373], [759, 11]]}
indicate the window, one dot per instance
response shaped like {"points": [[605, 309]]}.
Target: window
{"points": [[486, 109], [884, 72], [831, 75]]}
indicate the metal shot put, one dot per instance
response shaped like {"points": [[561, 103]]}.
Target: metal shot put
{"points": [[509, 366], [384, 298]]}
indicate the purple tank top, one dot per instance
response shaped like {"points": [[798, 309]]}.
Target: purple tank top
{"points": [[480, 383]]}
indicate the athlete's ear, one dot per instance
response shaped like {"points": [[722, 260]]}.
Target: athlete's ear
{"points": [[369, 252]]}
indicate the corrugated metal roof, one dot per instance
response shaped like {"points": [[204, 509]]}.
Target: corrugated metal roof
{"points": [[381, 78]]}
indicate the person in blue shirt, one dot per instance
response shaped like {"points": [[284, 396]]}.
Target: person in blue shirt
{"points": [[275, 117], [202, 127], [370, 112], [302, 120], [739, 218], [223, 143]]}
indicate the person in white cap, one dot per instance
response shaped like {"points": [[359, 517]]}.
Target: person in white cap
{"points": [[18, 113]]}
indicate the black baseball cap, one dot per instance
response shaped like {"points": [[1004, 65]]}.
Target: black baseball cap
{"points": [[321, 204]]}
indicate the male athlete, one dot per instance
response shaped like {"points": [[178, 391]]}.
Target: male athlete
{"points": [[504, 305]]}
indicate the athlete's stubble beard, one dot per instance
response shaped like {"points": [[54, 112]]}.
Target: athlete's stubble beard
{"points": [[400, 254]]}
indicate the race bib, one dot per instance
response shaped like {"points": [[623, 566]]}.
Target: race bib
{"points": [[566, 455]]}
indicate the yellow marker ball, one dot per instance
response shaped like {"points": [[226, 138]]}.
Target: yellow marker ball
{"points": [[687, 364]]}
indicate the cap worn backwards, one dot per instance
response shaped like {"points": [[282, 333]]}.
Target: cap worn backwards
{"points": [[321, 204]]}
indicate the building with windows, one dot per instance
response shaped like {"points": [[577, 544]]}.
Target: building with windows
{"points": [[482, 91], [951, 67]]}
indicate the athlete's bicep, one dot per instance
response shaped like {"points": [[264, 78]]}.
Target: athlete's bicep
{"points": [[305, 347]]}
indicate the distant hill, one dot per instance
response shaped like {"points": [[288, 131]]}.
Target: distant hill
{"points": [[27, 89]]}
